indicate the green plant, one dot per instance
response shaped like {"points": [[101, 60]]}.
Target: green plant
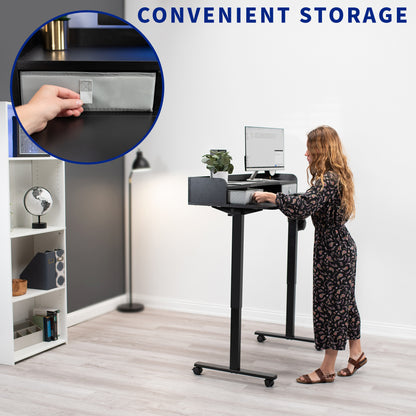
{"points": [[218, 161], [63, 18]]}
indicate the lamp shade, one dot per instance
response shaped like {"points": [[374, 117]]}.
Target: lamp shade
{"points": [[140, 162]]}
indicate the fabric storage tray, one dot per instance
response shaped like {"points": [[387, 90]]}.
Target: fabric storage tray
{"points": [[107, 91], [25, 334], [242, 197]]}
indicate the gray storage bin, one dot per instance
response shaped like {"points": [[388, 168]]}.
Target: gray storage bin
{"points": [[242, 197], [115, 91], [25, 334]]}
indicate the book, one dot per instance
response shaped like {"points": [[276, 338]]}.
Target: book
{"points": [[47, 328], [53, 314], [54, 323]]}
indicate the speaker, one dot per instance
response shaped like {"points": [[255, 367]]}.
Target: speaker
{"points": [[59, 267]]}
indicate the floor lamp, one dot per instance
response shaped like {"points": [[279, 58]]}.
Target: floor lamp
{"points": [[139, 165]]}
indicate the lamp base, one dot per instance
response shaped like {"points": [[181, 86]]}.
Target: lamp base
{"points": [[130, 307]]}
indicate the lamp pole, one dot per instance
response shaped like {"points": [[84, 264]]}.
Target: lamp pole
{"points": [[139, 163]]}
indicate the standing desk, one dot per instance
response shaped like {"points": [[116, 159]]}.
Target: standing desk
{"points": [[213, 192]]}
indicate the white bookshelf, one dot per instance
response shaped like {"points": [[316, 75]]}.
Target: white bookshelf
{"points": [[20, 243]]}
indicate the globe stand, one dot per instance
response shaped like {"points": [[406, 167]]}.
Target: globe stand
{"points": [[38, 224]]}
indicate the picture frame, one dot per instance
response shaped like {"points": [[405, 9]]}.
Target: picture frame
{"points": [[23, 145]]}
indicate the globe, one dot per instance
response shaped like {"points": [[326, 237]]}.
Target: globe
{"points": [[38, 201]]}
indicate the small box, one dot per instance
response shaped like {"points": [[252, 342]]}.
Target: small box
{"points": [[242, 197], [25, 334]]}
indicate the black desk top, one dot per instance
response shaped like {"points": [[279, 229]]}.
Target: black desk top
{"points": [[94, 136], [248, 207]]}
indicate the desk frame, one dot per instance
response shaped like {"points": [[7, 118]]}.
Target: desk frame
{"points": [[236, 302], [213, 192]]}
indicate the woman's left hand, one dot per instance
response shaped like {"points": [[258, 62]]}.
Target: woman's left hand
{"points": [[260, 197]]}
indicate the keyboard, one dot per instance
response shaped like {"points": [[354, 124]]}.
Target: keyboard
{"points": [[253, 182]]}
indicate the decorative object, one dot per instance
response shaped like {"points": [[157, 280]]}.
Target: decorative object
{"points": [[38, 201], [19, 287], [218, 163], [139, 165], [55, 34]]}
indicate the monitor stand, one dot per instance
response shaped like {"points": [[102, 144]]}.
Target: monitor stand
{"points": [[253, 176]]}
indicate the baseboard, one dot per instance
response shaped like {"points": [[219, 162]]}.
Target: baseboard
{"points": [[270, 316], [210, 309], [393, 330], [95, 310]]}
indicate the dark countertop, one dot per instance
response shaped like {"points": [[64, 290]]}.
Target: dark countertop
{"points": [[94, 136]]}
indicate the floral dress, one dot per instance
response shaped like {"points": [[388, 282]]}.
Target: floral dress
{"points": [[335, 314]]}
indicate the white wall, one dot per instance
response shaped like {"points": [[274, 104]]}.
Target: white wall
{"points": [[358, 78]]}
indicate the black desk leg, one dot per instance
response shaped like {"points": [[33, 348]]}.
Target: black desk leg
{"points": [[292, 254], [236, 304], [236, 290]]}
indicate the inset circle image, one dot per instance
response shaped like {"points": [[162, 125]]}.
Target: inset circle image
{"points": [[87, 87]]}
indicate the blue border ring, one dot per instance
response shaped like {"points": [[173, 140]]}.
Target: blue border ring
{"points": [[130, 26]]}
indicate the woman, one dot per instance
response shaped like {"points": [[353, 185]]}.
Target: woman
{"points": [[330, 202]]}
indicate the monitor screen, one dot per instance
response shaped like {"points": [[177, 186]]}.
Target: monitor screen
{"points": [[264, 148]]}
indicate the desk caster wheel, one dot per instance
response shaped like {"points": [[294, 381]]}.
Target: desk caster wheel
{"points": [[269, 382], [261, 338], [197, 370]]}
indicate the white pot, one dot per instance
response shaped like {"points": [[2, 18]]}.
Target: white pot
{"points": [[221, 175]]}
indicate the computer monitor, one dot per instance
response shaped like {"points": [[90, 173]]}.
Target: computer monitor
{"points": [[264, 149]]}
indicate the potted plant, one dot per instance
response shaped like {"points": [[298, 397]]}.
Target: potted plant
{"points": [[55, 34], [219, 163]]}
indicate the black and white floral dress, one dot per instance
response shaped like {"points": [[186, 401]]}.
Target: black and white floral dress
{"points": [[335, 314]]}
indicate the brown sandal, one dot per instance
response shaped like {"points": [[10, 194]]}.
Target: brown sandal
{"points": [[356, 363], [323, 378]]}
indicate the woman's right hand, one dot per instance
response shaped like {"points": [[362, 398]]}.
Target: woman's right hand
{"points": [[260, 197]]}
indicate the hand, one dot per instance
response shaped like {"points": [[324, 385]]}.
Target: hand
{"points": [[49, 101], [260, 197]]}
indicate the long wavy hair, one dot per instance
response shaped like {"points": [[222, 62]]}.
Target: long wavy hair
{"points": [[326, 154]]}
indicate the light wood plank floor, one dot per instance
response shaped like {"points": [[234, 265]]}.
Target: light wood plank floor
{"points": [[141, 364]]}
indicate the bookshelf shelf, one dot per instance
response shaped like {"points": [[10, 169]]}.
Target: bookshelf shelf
{"points": [[25, 232], [20, 159], [32, 293], [36, 349]]}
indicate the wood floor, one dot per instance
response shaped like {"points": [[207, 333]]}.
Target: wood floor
{"points": [[141, 364]]}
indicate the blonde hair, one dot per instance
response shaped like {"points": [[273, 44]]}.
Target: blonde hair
{"points": [[326, 154]]}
